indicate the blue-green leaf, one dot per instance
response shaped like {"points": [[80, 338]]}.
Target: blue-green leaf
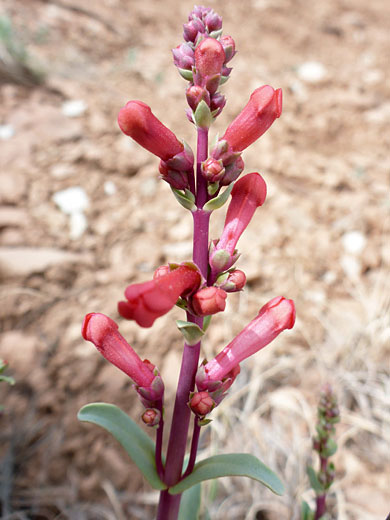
{"points": [[233, 465], [306, 512], [314, 482], [138, 445], [190, 504]]}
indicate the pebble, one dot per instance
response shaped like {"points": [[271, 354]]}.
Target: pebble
{"points": [[71, 200], [109, 188], [312, 71], [6, 132], [353, 242], [24, 261], [78, 225], [74, 108]]}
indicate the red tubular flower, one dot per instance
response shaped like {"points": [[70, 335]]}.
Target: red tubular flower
{"points": [[274, 317], [136, 120], [209, 300], [209, 57], [102, 331], [150, 300], [248, 193], [263, 107]]}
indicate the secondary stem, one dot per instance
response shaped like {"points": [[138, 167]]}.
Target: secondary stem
{"points": [[169, 504]]}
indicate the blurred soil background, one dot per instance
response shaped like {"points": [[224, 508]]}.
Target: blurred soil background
{"points": [[322, 238]]}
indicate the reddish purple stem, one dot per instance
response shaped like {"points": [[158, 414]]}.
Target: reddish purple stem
{"points": [[169, 504], [321, 499]]}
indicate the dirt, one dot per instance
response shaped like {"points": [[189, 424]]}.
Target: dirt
{"points": [[322, 238]]}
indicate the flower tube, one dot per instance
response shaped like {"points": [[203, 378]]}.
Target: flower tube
{"points": [[273, 318], [149, 300]]}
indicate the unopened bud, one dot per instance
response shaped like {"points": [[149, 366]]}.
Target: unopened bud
{"points": [[209, 300], [201, 403], [229, 47], [151, 416], [195, 94], [232, 282], [209, 57], [183, 56], [213, 21], [212, 170]]}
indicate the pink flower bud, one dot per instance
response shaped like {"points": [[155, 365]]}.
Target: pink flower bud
{"points": [[102, 331], [213, 170], [183, 56], [192, 29], [229, 47], [232, 171], [195, 94], [209, 57], [149, 300], [137, 121], [208, 300], [248, 193], [151, 417], [263, 107], [213, 21], [231, 281], [274, 317], [201, 403], [217, 102]]}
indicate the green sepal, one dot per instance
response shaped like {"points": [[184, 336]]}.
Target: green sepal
{"points": [[314, 482], [223, 80], [138, 445], [186, 74], [230, 465], [212, 188], [202, 115], [190, 504], [330, 448], [204, 422], [191, 331], [206, 322], [7, 379], [219, 201], [186, 199], [216, 34]]}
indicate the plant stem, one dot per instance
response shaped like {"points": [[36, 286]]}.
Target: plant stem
{"points": [[169, 504], [159, 438], [194, 447], [321, 499]]}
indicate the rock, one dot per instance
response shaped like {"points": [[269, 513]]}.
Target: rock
{"points": [[74, 108], [71, 200], [78, 224], [25, 261], [13, 187], [311, 72], [6, 132], [12, 217], [62, 170], [353, 242], [109, 188]]}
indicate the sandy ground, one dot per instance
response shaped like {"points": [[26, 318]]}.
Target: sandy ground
{"points": [[322, 238]]}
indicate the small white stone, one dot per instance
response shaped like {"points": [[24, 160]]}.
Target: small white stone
{"points": [[6, 132], [312, 71], [71, 200], [78, 224], [74, 108], [353, 242], [351, 266], [109, 188]]}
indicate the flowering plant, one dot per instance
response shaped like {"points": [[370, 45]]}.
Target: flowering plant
{"points": [[200, 286]]}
